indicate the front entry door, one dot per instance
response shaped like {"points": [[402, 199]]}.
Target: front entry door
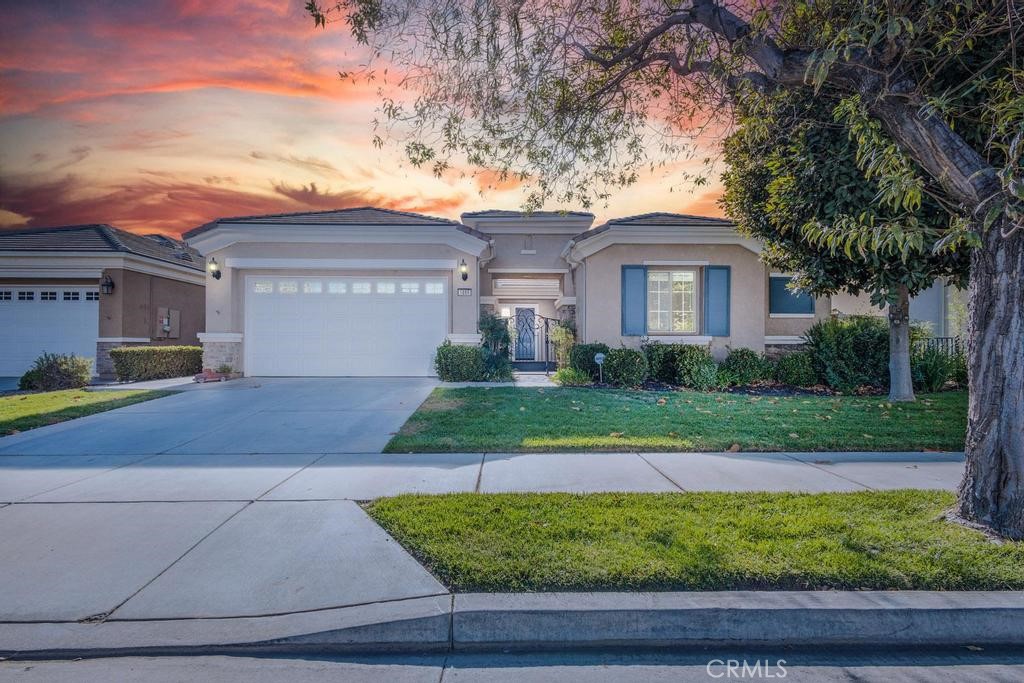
{"points": [[526, 339]]}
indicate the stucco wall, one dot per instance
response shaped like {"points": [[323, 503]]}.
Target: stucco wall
{"points": [[508, 251], [131, 310], [602, 298]]}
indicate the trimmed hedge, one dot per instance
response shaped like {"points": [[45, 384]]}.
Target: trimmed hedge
{"points": [[582, 358], [135, 363], [695, 368], [54, 371], [459, 363], [625, 367]]}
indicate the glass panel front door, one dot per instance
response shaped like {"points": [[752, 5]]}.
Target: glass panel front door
{"points": [[526, 346]]}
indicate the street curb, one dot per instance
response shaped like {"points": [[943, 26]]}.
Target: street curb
{"points": [[545, 621]]}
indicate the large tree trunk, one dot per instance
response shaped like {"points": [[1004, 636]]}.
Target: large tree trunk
{"points": [[992, 492], [901, 383]]}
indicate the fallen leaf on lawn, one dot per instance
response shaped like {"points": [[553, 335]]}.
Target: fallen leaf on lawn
{"points": [[673, 434], [577, 408], [522, 409], [734, 448], [615, 435], [794, 435], [867, 436], [662, 401]]}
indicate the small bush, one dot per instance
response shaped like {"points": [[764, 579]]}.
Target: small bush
{"points": [[458, 363], [581, 357], [562, 337], [931, 368], [571, 377], [625, 368], [135, 363], [958, 367], [695, 368], [662, 361], [53, 371], [796, 369], [496, 341], [744, 366]]}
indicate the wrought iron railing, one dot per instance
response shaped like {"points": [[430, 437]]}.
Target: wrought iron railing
{"points": [[950, 346], [530, 337]]}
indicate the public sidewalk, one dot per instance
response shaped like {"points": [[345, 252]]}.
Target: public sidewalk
{"points": [[182, 550]]}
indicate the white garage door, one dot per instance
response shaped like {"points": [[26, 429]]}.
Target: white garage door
{"points": [[46, 318], [343, 326]]}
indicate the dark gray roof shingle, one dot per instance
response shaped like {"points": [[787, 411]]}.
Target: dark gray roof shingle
{"points": [[361, 215], [657, 218], [100, 238]]}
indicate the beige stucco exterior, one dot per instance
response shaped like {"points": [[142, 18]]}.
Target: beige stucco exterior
{"points": [[224, 340], [601, 300]]}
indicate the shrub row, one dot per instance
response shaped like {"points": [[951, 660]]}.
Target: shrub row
{"points": [[135, 363]]}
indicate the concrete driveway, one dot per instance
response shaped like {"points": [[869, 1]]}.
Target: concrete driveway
{"points": [[250, 416]]}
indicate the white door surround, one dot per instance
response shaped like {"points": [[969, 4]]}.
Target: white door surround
{"points": [[342, 325]]}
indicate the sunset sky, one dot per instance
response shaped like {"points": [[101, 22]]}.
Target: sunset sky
{"points": [[160, 116]]}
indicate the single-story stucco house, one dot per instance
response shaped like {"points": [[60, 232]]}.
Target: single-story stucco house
{"points": [[368, 291], [85, 289]]}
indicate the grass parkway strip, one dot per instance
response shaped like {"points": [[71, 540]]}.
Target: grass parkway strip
{"points": [[892, 540], [542, 420], [20, 412]]}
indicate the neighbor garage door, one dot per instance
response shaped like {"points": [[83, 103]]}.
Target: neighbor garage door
{"points": [[46, 318], [343, 326]]}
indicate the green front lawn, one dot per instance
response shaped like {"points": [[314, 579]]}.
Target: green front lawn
{"points": [[19, 412], [698, 541], [514, 419]]}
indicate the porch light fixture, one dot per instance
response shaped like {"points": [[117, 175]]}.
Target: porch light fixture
{"points": [[464, 269], [214, 269], [107, 285]]}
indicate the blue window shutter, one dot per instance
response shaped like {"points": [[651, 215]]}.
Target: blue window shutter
{"points": [[781, 299], [634, 301], [716, 300]]}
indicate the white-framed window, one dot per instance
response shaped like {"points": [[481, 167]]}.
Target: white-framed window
{"points": [[336, 288], [385, 287], [262, 287], [26, 296], [672, 301], [92, 296], [434, 288], [360, 287], [410, 288], [288, 287], [72, 296], [312, 287], [5, 295], [47, 296]]}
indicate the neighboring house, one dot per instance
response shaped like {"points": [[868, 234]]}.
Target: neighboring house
{"points": [[85, 289], [942, 306], [368, 291]]}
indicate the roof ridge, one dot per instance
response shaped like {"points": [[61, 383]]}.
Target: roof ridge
{"points": [[670, 214], [109, 233], [413, 214]]}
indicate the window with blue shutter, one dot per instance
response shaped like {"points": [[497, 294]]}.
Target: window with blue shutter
{"points": [[716, 300], [784, 301], [634, 301]]}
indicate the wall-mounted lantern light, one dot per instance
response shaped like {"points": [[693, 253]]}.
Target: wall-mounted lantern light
{"points": [[107, 285], [464, 269], [214, 269]]}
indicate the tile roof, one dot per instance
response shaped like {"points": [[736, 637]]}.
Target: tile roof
{"points": [[100, 238], [502, 213], [658, 218], [360, 215]]}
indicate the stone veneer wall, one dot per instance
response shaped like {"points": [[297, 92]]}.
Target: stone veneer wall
{"points": [[104, 365], [216, 354]]}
